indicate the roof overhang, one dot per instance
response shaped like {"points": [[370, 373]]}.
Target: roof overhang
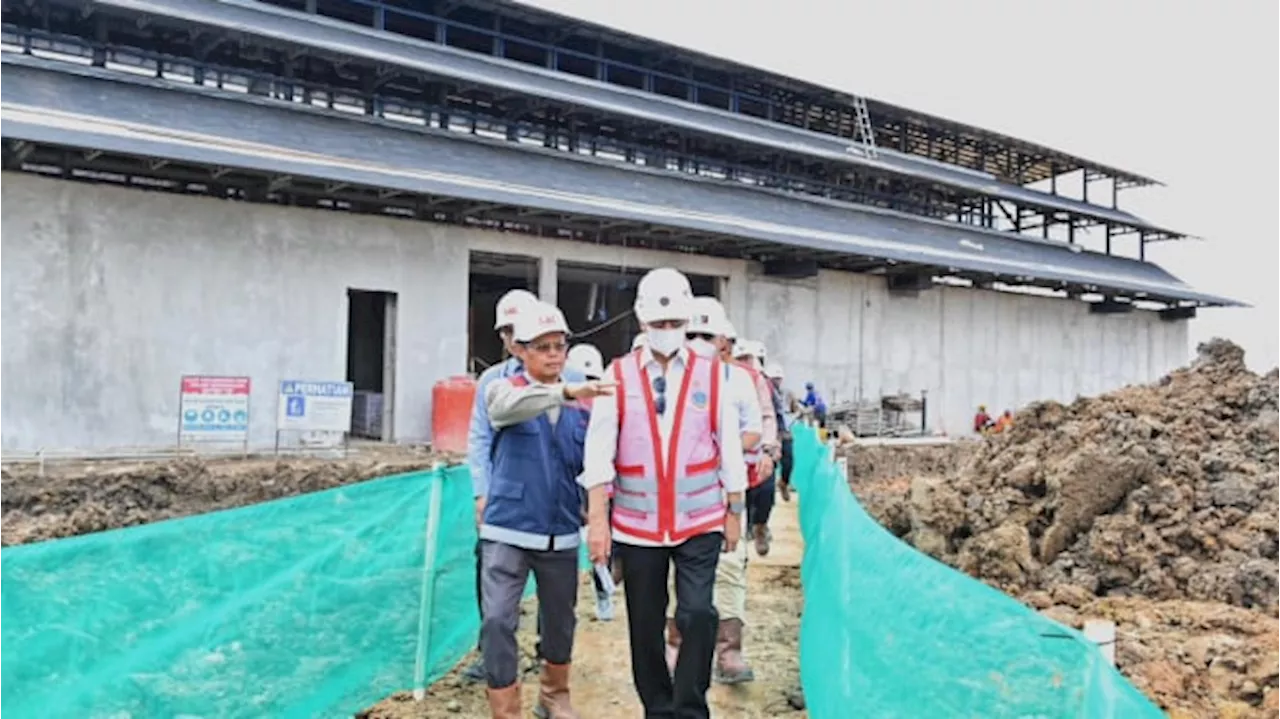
{"points": [[135, 117], [276, 25]]}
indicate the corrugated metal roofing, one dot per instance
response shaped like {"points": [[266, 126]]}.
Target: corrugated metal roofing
{"points": [[85, 107], [279, 24]]}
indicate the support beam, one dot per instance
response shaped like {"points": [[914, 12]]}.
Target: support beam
{"points": [[1110, 306], [1174, 314]]}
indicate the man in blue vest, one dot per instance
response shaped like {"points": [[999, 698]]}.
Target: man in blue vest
{"points": [[533, 512], [480, 435]]}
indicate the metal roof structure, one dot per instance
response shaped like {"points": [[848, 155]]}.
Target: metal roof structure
{"points": [[1066, 161], [280, 25], [194, 138]]}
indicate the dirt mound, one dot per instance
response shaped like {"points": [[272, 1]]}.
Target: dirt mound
{"points": [[881, 475], [1195, 659], [86, 498], [1166, 491]]}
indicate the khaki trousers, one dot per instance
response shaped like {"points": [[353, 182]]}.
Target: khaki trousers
{"points": [[730, 588]]}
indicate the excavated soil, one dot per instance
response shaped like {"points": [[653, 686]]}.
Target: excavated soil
{"points": [[1153, 505], [601, 680], [74, 498]]}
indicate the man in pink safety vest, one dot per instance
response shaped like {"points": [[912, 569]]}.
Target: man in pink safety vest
{"points": [[669, 443]]}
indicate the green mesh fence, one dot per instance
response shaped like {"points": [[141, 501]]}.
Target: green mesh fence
{"points": [[322, 604], [312, 606], [889, 632]]}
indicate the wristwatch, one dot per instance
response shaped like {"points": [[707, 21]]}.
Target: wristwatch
{"points": [[737, 507]]}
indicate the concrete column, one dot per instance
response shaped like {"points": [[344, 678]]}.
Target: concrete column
{"points": [[733, 294], [548, 276]]}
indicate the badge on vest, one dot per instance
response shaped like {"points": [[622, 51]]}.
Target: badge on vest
{"points": [[699, 399]]}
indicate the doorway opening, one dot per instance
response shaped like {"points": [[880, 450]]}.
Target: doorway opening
{"points": [[597, 301], [371, 362], [491, 276]]}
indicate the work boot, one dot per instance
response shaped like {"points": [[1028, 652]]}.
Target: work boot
{"points": [[553, 695], [763, 536], [504, 703], [785, 490], [731, 666], [673, 645]]}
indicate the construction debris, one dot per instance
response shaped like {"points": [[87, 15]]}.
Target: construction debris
{"points": [[1167, 491], [1154, 506]]}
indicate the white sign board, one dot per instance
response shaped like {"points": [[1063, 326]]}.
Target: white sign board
{"points": [[214, 408], [309, 406]]}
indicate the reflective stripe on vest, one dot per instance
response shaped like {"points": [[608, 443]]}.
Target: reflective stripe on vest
{"points": [[677, 496]]}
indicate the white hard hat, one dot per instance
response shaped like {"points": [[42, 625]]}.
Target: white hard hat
{"points": [[538, 319], [664, 294], [746, 348], [640, 341], [708, 317], [730, 331], [760, 351], [509, 307], [587, 360], [773, 371]]}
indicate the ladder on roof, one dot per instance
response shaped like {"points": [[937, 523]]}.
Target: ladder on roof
{"points": [[866, 135]]}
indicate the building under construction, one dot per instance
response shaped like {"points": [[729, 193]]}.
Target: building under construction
{"points": [[340, 189]]}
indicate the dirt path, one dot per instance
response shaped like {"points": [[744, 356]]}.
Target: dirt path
{"points": [[602, 667]]}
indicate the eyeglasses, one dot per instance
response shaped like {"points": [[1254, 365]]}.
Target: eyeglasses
{"points": [[660, 395], [701, 336], [548, 347]]}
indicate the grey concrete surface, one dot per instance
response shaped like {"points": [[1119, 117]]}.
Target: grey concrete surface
{"points": [[965, 346], [111, 294]]}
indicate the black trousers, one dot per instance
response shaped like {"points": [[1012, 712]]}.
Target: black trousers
{"points": [[760, 502], [644, 571], [788, 459], [479, 597]]}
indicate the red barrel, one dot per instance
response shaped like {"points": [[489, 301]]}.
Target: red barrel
{"points": [[451, 401]]}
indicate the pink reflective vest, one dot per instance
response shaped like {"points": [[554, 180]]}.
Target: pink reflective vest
{"points": [[679, 495], [753, 455]]}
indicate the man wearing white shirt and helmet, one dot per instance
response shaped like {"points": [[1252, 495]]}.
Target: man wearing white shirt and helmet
{"points": [[672, 441], [708, 336]]}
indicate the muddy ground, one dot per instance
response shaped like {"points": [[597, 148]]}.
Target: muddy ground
{"points": [[79, 497], [601, 682], [1155, 506]]}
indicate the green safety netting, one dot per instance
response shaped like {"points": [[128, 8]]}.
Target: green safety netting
{"points": [[322, 604], [889, 632], [311, 606]]}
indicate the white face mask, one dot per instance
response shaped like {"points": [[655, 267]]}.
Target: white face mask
{"points": [[665, 342], [702, 347]]}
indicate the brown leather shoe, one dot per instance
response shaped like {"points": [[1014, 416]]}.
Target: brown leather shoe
{"points": [[731, 666], [553, 695], [504, 703], [762, 538], [673, 645]]}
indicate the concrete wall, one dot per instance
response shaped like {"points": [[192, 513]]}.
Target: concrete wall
{"points": [[966, 347], [110, 295]]}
